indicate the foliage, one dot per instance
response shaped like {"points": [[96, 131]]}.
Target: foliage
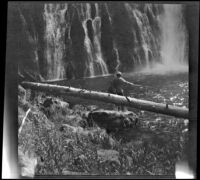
{"points": [[154, 150]]}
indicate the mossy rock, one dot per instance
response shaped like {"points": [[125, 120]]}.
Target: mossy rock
{"points": [[112, 120]]}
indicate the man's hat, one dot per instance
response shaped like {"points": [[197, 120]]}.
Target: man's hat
{"points": [[119, 73]]}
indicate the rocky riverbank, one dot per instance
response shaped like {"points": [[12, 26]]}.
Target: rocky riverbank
{"points": [[59, 139]]}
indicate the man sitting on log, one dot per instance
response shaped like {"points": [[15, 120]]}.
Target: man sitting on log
{"points": [[117, 86]]}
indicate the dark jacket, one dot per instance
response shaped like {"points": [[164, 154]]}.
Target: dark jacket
{"points": [[118, 84]]}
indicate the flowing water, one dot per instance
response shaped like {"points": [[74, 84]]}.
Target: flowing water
{"points": [[57, 26], [54, 35], [174, 45], [92, 44], [74, 40], [171, 89]]}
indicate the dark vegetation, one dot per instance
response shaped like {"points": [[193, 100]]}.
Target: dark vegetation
{"points": [[151, 148]]}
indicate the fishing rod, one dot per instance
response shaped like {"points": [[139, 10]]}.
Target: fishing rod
{"points": [[144, 86]]}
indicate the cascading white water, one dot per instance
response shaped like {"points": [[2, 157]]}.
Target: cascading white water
{"points": [[56, 25], [54, 16], [97, 46], [88, 46], [87, 42], [145, 40], [117, 57], [174, 50], [73, 39], [174, 39], [95, 58]]}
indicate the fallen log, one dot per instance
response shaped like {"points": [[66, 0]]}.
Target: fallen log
{"points": [[109, 98]]}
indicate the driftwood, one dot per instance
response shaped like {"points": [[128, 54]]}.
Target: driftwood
{"points": [[23, 121], [109, 98]]}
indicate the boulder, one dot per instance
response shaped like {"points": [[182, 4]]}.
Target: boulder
{"points": [[112, 120], [49, 101], [51, 105]]}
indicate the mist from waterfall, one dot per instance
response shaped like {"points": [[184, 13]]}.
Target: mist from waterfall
{"points": [[174, 43]]}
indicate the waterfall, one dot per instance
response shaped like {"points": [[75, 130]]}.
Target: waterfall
{"points": [[173, 43], [117, 58], [56, 26], [174, 39], [55, 36], [92, 28], [74, 40], [97, 45], [146, 45], [88, 46]]}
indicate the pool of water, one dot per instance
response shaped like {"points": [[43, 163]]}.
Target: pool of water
{"points": [[158, 128], [171, 89], [168, 89]]}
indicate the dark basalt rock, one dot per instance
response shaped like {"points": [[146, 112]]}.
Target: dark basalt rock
{"points": [[112, 120], [93, 10], [121, 37], [51, 105], [48, 102], [77, 36], [107, 41], [90, 30]]}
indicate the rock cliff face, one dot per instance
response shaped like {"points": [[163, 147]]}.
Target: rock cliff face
{"points": [[72, 40]]}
